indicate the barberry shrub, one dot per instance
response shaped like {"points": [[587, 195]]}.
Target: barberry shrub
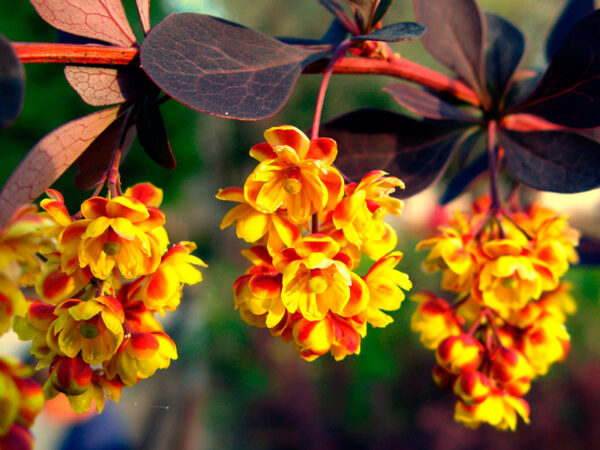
{"points": [[86, 287]]}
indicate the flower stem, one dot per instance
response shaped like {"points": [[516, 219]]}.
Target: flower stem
{"points": [[337, 54]]}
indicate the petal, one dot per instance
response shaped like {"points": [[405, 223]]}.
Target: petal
{"points": [[146, 193], [127, 207], [94, 207], [323, 149], [290, 136], [262, 152]]}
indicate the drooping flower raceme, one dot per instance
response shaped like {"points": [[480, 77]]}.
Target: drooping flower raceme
{"points": [[309, 231], [102, 276], [506, 325]]}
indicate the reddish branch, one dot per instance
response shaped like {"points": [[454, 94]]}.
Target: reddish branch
{"points": [[111, 55], [74, 53]]}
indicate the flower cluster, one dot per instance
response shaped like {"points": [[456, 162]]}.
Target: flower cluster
{"points": [[309, 231], [21, 398], [506, 325], [107, 271]]}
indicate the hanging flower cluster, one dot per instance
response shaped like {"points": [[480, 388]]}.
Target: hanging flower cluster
{"points": [[309, 231], [107, 271], [506, 325], [21, 398]]}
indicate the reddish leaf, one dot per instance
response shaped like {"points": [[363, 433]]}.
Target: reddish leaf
{"points": [[222, 68], [455, 36], [95, 160], [12, 83], [143, 7], [402, 31], [557, 161], [97, 19], [152, 133], [102, 86], [574, 11], [569, 92], [49, 158], [425, 103], [412, 150], [504, 49]]}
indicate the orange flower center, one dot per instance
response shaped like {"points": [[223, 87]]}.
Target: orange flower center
{"points": [[292, 186], [510, 283], [111, 248], [88, 330], [318, 285]]}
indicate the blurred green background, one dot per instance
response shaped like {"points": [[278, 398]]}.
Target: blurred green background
{"points": [[234, 387]]}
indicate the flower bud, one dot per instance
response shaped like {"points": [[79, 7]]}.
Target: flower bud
{"points": [[70, 375], [509, 364], [472, 387], [312, 338], [459, 353]]}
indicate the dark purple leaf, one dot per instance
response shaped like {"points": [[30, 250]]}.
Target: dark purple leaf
{"points": [[589, 251], [12, 83], [98, 19], [557, 161], [152, 133], [402, 31], [464, 178], [569, 92], [334, 35], [504, 49], [336, 8], [364, 8], [222, 68], [382, 8], [95, 160], [455, 36], [520, 89], [412, 150], [425, 103], [49, 158], [574, 11], [102, 86]]}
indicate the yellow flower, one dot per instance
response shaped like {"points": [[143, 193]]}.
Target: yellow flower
{"points": [[34, 327], [317, 279], [253, 226], [433, 319], [121, 232], [26, 235], [385, 288], [341, 336], [360, 214], [161, 290], [12, 302], [511, 276], [21, 398], [452, 253], [544, 342], [294, 174], [498, 409], [93, 327], [140, 355]]}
